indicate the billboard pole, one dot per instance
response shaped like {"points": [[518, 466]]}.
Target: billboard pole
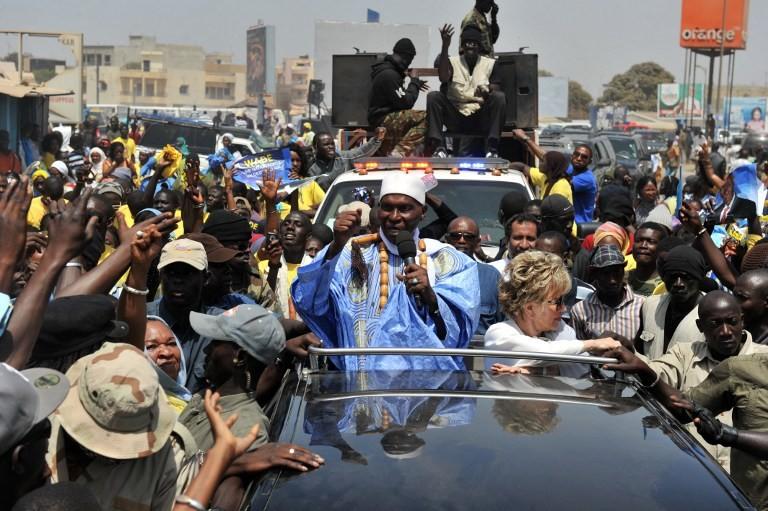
{"points": [[710, 84], [722, 52]]}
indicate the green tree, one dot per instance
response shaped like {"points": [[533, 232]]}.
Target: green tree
{"points": [[636, 88], [578, 100]]}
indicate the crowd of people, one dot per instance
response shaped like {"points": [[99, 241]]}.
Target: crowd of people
{"points": [[150, 309]]}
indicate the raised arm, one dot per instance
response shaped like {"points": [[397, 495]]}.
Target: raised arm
{"points": [[444, 68], [269, 187], [529, 144], [703, 242], [225, 449], [709, 170], [14, 204], [133, 300], [193, 202], [70, 228], [367, 149], [104, 276], [495, 23], [228, 189]]}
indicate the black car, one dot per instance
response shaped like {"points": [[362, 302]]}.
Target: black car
{"points": [[755, 143], [201, 138], [621, 149], [472, 440]]}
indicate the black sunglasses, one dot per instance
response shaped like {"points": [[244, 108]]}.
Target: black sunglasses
{"points": [[456, 236]]}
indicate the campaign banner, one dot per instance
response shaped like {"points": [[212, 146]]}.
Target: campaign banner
{"points": [[250, 169], [678, 101], [747, 114]]}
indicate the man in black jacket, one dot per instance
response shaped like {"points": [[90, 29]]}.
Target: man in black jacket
{"points": [[390, 102]]}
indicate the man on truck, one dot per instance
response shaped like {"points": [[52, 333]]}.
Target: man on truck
{"points": [[391, 103]]}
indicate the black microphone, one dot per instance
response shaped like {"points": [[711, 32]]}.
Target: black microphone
{"points": [[406, 249]]}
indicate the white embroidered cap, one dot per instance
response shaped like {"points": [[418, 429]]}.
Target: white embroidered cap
{"points": [[404, 184]]}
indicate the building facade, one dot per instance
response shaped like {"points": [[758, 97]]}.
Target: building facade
{"points": [[293, 84], [148, 73]]}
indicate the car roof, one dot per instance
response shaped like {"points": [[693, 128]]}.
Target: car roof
{"points": [[472, 440]]}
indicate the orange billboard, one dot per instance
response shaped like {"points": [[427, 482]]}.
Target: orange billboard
{"points": [[701, 25]]}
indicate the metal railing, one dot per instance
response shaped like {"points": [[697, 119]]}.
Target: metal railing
{"points": [[314, 353]]}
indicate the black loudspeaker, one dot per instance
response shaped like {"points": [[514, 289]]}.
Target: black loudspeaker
{"points": [[351, 86], [513, 150], [315, 94], [520, 80]]}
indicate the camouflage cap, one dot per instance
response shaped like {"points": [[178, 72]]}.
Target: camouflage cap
{"points": [[115, 406]]}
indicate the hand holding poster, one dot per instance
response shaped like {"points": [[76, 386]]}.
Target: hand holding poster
{"points": [[249, 169]]}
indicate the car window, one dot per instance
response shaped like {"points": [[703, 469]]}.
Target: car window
{"points": [[478, 200], [625, 148], [244, 150], [199, 140]]}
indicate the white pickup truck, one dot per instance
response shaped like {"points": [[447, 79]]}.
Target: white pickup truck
{"points": [[470, 187]]}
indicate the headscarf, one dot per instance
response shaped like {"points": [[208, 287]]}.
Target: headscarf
{"points": [[170, 386], [181, 145], [98, 168], [615, 231]]}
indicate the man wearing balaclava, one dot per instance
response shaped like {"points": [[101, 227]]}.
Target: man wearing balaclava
{"points": [[391, 102]]}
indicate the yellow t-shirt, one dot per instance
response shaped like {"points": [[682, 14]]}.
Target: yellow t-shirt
{"points": [[291, 268], [561, 187], [310, 197], [37, 210]]}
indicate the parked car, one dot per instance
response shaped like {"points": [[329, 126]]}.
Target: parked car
{"points": [[471, 187], [472, 440], [755, 142], [612, 149], [200, 137], [654, 141]]}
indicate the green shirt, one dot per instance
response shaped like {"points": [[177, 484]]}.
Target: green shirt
{"points": [[741, 384], [244, 405], [642, 287]]}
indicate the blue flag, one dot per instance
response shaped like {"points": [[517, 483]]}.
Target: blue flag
{"points": [[373, 16]]}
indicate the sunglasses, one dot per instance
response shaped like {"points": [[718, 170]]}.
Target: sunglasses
{"points": [[557, 303], [456, 236]]}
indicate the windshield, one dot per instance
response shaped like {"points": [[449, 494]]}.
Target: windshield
{"points": [[476, 199], [625, 148], [199, 140]]}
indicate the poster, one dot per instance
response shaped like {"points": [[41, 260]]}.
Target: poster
{"points": [[680, 101], [256, 63], [747, 114], [249, 169]]}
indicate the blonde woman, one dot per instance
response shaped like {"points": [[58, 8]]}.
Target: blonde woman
{"points": [[531, 293]]}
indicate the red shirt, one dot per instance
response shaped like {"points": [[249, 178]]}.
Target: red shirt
{"points": [[9, 161]]}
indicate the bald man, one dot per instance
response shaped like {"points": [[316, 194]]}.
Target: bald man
{"points": [[751, 290], [464, 235], [688, 364]]}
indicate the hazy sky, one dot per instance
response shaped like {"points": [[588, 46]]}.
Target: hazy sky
{"points": [[586, 40]]}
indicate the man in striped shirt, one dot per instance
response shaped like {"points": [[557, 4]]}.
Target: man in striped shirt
{"points": [[613, 307]]}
